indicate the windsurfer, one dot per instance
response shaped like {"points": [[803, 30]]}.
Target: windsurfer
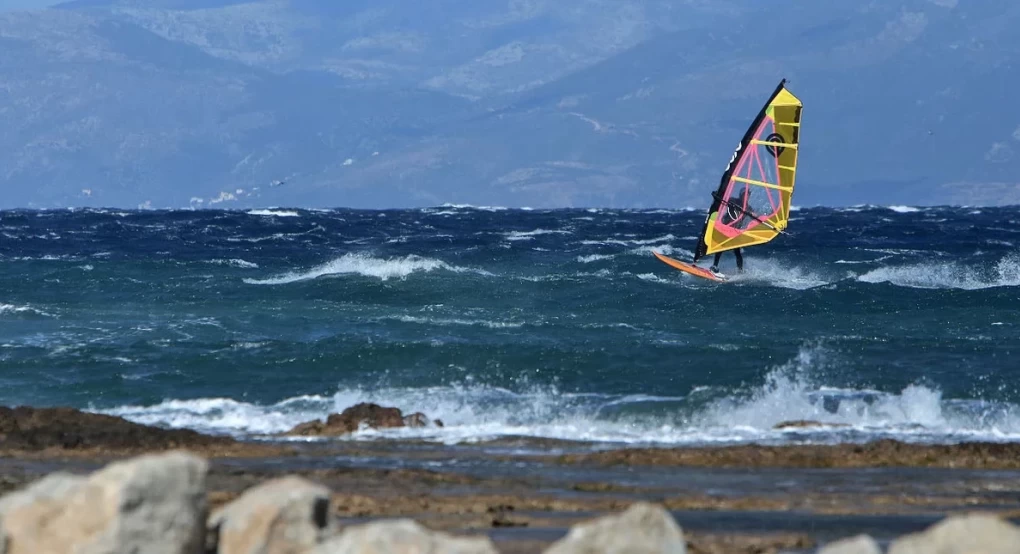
{"points": [[751, 205]]}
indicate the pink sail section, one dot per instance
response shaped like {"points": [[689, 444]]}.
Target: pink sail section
{"points": [[758, 163]]}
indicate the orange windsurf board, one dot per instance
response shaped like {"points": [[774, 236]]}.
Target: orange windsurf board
{"points": [[688, 268]]}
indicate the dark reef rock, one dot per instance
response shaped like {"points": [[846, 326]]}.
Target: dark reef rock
{"points": [[364, 414], [28, 429]]}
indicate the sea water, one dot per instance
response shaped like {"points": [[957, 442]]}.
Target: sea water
{"points": [[878, 322]]}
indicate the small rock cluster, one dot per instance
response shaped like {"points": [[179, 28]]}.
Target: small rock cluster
{"points": [[157, 504], [360, 416]]}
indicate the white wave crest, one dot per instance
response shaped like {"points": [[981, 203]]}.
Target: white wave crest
{"points": [[473, 411], [665, 250], [458, 321], [654, 278], [275, 213], [15, 309], [529, 235], [874, 261], [366, 266], [224, 415], [793, 392], [1006, 273], [594, 258], [630, 241], [235, 262], [904, 209]]}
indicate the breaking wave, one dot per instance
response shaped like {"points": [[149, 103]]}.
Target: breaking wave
{"points": [[1006, 273], [276, 213], [15, 309], [792, 392], [904, 209], [365, 266], [529, 235]]}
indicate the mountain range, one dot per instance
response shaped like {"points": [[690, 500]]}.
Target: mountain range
{"points": [[540, 103]]}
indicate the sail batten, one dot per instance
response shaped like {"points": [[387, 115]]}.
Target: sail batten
{"points": [[752, 204], [761, 183], [774, 144]]}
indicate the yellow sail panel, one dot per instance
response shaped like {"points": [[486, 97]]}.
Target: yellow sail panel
{"points": [[752, 204]]}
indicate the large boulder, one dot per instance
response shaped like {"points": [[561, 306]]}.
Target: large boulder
{"points": [[288, 515], [402, 536], [641, 529], [358, 416], [26, 514], [860, 544], [154, 504], [964, 534]]}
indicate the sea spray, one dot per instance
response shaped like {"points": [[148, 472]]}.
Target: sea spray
{"points": [[472, 411]]}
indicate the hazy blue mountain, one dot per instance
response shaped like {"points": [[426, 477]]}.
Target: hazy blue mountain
{"points": [[390, 103], [10, 5]]}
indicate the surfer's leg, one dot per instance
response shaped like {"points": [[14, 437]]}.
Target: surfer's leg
{"points": [[740, 260], [715, 263]]}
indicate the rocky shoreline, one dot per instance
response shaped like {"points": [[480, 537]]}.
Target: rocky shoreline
{"points": [[27, 432], [882, 453], [339, 497], [162, 503]]}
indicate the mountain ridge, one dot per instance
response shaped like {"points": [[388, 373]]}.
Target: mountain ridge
{"points": [[632, 103]]}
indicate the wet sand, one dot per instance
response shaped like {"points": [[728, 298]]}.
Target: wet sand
{"points": [[526, 493]]}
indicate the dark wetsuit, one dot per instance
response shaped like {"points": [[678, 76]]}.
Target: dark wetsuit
{"points": [[736, 252], [734, 215]]}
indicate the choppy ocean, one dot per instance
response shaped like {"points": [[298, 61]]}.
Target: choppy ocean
{"points": [[894, 322]]}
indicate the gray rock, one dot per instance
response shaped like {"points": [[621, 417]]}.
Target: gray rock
{"points": [[40, 501], [402, 536], [284, 516], [153, 504], [965, 534], [860, 544], [54, 486], [641, 529]]}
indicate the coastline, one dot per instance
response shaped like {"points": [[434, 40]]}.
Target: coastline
{"points": [[727, 499]]}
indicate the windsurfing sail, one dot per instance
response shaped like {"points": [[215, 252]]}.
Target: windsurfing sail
{"points": [[752, 203]]}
